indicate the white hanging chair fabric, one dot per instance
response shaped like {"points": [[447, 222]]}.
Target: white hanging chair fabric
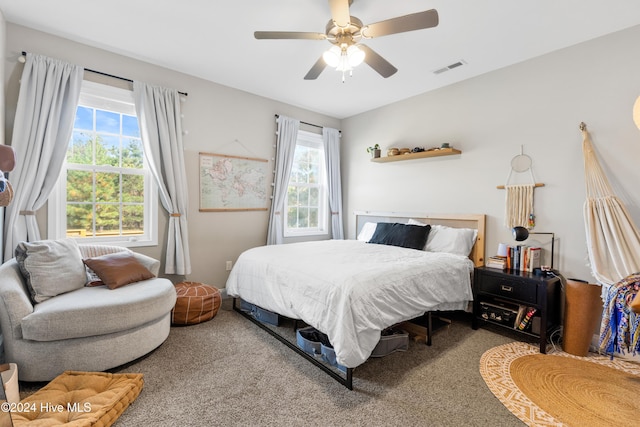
{"points": [[613, 240]]}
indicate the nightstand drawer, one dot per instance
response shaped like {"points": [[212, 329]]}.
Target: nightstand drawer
{"points": [[509, 288]]}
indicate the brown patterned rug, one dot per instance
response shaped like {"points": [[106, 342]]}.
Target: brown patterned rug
{"points": [[559, 389]]}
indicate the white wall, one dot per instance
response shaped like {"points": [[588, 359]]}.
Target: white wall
{"points": [[215, 117], [537, 104]]}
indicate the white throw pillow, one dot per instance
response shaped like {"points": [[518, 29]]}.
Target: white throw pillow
{"points": [[452, 240], [458, 241], [51, 267], [366, 233]]}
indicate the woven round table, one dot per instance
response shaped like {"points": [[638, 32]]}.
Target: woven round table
{"points": [[195, 303]]}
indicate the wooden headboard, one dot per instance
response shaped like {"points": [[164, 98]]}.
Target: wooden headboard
{"points": [[475, 221]]}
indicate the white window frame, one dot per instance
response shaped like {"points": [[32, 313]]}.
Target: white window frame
{"points": [[108, 98], [313, 140]]}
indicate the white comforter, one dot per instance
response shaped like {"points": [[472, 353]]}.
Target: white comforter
{"points": [[349, 289]]}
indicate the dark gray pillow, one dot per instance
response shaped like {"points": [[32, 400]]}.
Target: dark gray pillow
{"points": [[404, 235], [51, 267]]}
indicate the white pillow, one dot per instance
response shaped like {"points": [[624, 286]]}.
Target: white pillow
{"points": [[51, 267], [452, 240], [366, 233]]}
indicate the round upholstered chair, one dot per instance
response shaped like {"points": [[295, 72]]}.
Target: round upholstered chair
{"points": [[195, 303]]}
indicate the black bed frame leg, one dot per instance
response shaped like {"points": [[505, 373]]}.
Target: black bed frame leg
{"points": [[346, 381], [429, 328]]}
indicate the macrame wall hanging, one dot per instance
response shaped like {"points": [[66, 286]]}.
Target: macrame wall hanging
{"points": [[519, 198]]}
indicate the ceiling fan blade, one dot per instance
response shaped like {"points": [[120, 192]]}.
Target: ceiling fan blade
{"points": [[266, 35], [377, 62], [315, 71], [340, 12], [401, 24]]}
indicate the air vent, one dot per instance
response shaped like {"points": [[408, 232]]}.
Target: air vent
{"points": [[449, 67]]}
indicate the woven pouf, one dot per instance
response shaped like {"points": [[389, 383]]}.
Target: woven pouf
{"points": [[195, 303]]}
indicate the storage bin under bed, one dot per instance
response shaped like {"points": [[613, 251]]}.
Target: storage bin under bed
{"points": [[317, 344], [260, 313]]}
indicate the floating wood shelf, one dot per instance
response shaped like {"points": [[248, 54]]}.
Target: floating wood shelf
{"points": [[420, 155]]}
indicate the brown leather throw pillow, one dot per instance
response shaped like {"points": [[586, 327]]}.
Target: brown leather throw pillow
{"points": [[7, 158], [118, 269]]}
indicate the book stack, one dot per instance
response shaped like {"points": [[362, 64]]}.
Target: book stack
{"points": [[497, 262], [523, 258]]}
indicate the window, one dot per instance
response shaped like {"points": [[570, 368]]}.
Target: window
{"points": [[105, 192], [307, 203]]}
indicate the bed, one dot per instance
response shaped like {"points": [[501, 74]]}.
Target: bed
{"points": [[353, 289]]}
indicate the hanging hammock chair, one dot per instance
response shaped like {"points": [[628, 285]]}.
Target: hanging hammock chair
{"points": [[613, 243], [613, 240]]}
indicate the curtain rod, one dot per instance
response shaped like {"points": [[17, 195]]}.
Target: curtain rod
{"points": [[110, 75], [309, 124]]}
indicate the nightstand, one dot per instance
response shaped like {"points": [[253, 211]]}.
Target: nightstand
{"points": [[498, 296]]}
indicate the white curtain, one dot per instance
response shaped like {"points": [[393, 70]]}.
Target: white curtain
{"points": [[49, 92], [331, 139], [613, 240], [287, 137], [158, 111]]}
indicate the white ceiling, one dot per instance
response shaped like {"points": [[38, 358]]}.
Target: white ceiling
{"points": [[213, 40]]}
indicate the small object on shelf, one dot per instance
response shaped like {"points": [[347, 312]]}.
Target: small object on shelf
{"points": [[527, 318], [374, 151], [393, 152], [522, 312], [497, 262], [502, 313], [502, 250], [405, 151]]}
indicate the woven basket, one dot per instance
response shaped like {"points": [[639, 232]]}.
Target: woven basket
{"points": [[6, 196]]}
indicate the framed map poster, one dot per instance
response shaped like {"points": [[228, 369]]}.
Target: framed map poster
{"points": [[233, 183]]}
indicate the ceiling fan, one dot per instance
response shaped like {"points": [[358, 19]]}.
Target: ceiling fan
{"points": [[345, 33]]}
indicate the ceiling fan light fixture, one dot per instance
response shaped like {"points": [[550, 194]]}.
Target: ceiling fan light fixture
{"points": [[343, 63], [332, 56], [343, 58], [355, 55]]}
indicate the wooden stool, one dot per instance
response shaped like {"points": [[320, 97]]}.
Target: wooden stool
{"points": [[195, 303]]}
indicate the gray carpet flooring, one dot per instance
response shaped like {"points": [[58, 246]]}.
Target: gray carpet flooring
{"points": [[229, 372]]}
